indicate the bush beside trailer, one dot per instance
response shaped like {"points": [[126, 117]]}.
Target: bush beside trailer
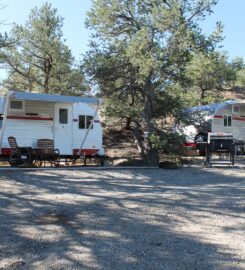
{"points": [[72, 122]]}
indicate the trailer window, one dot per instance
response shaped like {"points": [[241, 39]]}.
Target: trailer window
{"points": [[1, 122], [63, 116], [84, 121], [16, 105], [236, 109], [89, 119], [227, 120]]}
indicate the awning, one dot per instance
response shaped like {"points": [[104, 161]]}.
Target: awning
{"points": [[51, 98]]}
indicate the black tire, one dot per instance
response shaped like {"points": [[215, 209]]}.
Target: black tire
{"points": [[15, 159]]}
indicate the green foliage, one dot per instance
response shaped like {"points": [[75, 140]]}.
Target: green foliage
{"points": [[116, 79], [232, 70], [121, 107], [238, 71], [240, 76], [168, 143], [237, 63], [5, 40], [39, 60], [208, 74]]}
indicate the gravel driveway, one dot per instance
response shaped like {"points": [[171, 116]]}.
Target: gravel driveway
{"points": [[192, 218]]}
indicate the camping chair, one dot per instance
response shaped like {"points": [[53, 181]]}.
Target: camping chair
{"points": [[47, 151], [19, 155]]}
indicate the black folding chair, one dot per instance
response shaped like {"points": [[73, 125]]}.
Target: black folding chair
{"points": [[20, 156]]}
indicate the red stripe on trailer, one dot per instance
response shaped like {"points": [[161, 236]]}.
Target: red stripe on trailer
{"points": [[190, 145], [218, 116], [238, 118], [36, 118], [6, 151], [29, 118], [86, 152]]}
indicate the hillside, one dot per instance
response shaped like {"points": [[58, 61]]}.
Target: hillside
{"points": [[236, 93], [119, 145]]}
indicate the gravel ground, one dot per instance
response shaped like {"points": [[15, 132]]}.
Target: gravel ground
{"points": [[191, 218]]}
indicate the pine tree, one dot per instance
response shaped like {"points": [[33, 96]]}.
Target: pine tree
{"points": [[39, 60]]}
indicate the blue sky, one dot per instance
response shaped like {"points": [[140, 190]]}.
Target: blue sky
{"points": [[231, 13], [73, 11]]}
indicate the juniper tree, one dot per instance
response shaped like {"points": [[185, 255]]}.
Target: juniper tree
{"points": [[139, 52]]}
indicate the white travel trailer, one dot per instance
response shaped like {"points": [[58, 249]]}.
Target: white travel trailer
{"points": [[71, 122], [225, 117]]}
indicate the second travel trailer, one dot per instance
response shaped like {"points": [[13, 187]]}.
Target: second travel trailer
{"points": [[225, 117]]}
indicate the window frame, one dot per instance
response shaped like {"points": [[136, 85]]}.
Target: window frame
{"points": [[239, 109], [67, 116], [17, 110], [84, 116], [86, 125]]}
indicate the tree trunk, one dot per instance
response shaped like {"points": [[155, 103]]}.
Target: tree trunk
{"points": [[139, 141], [46, 84], [202, 96], [47, 71], [152, 155], [128, 123]]}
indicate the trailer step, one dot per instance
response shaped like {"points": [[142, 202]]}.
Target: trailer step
{"points": [[220, 162]]}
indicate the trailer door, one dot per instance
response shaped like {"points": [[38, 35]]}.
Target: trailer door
{"points": [[63, 128]]}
